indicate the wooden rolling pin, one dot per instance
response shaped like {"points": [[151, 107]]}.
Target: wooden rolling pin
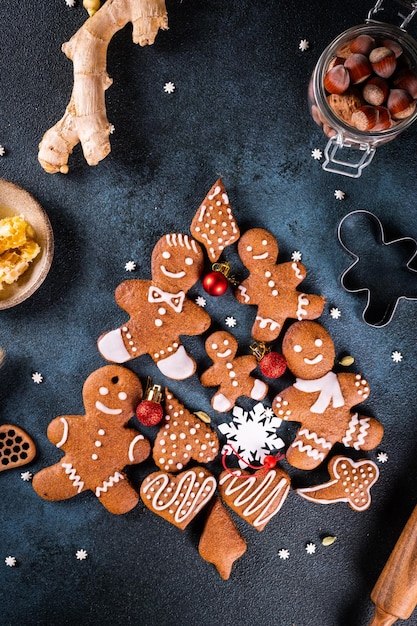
{"points": [[395, 592]]}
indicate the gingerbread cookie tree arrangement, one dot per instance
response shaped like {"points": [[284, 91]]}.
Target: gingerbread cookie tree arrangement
{"points": [[85, 120]]}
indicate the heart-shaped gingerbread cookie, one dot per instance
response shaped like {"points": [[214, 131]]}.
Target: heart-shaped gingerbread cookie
{"points": [[16, 447], [183, 437], [255, 497], [178, 498]]}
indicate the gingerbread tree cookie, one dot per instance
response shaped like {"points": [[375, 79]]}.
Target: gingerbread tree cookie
{"points": [[160, 311], [321, 400], [214, 224], [231, 373], [272, 287], [97, 445]]}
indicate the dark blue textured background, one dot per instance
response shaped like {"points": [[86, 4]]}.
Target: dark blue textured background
{"points": [[239, 111]]}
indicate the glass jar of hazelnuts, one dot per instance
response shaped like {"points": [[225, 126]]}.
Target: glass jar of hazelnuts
{"points": [[363, 91]]}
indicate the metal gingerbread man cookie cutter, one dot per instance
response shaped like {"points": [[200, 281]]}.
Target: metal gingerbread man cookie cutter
{"points": [[378, 269]]}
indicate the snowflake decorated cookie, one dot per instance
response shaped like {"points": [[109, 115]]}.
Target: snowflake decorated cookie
{"points": [[214, 225], [321, 400], [272, 287], [160, 311], [230, 373], [97, 445]]}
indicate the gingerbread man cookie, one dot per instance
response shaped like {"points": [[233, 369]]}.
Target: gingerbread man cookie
{"points": [[160, 311], [97, 445], [230, 372], [272, 287], [321, 400]]}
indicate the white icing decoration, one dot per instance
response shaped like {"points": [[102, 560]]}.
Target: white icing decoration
{"points": [[244, 293], [64, 434], [221, 403], [361, 433], [107, 410], [117, 476], [73, 476], [177, 366], [266, 321], [174, 300], [112, 348], [131, 456], [302, 302], [329, 388], [258, 390], [297, 271]]}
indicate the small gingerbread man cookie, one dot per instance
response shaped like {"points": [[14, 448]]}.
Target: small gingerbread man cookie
{"points": [[321, 400], [97, 445], [230, 372], [160, 311], [272, 287]]}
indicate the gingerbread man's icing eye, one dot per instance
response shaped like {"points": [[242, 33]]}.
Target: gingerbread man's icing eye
{"points": [[249, 248], [226, 342], [103, 391], [189, 260], [264, 242], [166, 255], [122, 395], [318, 343], [214, 346], [297, 348]]}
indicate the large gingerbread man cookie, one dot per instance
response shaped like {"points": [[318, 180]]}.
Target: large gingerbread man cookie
{"points": [[321, 400], [160, 311], [272, 287], [97, 445], [230, 373]]}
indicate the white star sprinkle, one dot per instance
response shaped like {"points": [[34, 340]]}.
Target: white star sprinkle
{"points": [[382, 457], [311, 548], [230, 322], [130, 266], [339, 194], [284, 554], [37, 378], [26, 476], [10, 561], [81, 555], [303, 45], [2, 151], [269, 412], [335, 313], [396, 356], [111, 129], [296, 256], [70, 3], [169, 87], [201, 301], [316, 154]]}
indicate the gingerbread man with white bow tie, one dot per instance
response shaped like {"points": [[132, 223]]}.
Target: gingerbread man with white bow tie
{"points": [[160, 311]]}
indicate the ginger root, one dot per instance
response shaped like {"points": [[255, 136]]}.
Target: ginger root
{"points": [[85, 118]]}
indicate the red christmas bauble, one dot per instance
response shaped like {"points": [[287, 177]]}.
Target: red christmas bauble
{"points": [[149, 413], [215, 283], [270, 461], [273, 365]]}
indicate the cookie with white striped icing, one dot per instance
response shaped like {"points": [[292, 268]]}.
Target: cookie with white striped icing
{"points": [[183, 437], [178, 498]]}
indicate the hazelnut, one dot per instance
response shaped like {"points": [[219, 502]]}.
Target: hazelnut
{"points": [[383, 61], [337, 79], [400, 104], [392, 45], [406, 79], [362, 44], [384, 119], [365, 118], [375, 90], [343, 105], [359, 68]]}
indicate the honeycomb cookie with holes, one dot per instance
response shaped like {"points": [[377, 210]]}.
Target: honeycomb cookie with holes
{"points": [[230, 373], [160, 311], [183, 437], [97, 445], [16, 447], [320, 400], [272, 286]]}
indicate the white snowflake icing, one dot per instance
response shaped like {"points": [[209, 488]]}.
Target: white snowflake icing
{"points": [[10, 561], [396, 356], [2, 150], [252, 434], [230, 321], [316, 154], [382, 457], [284, 554], [311, 548], [26, 476], [296, 256], [70, 3], [169, 87], [130, 266], [303, 45], [201, 301], [37, 378], [339, 194], [81, 555], [335, 313]]}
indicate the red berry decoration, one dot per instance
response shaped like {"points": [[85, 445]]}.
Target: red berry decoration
{"points": [[273, 365], [215, 283], [270, 461], [149, 412]]}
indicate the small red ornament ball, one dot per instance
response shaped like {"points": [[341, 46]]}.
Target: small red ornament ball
{"points": [[273, 365], [215, 283], [149, 413], [270, 461]]}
